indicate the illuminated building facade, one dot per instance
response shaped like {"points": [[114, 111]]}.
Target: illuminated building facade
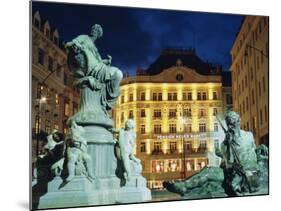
{"points": [[173, 103], [249, 69], [53, 99]]}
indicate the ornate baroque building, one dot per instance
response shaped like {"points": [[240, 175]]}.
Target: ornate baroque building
{"points": [[249, 68], [53, 99], [174, 103]]}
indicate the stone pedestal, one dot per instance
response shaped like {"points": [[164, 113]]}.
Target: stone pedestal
{"points": [[105, 189]]}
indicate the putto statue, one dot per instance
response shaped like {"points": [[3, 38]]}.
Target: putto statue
{"points": [[242, 170], [78, 160], [130, 165], [95, 77]]}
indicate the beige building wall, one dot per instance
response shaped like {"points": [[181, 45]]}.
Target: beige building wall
{"points": [[250, 76]]}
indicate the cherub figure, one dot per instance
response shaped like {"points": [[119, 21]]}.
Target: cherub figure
{"points": [[124, 149], [77, 151]]}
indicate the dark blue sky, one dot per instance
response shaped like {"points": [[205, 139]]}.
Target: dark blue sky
{"points": [[134, 37]]}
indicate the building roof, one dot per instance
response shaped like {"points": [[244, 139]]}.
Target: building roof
{"points": [[183, 57]]}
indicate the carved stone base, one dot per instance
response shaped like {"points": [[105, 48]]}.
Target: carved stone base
{"points": [[81, 192]]}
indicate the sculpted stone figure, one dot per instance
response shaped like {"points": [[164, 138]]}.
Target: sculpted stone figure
{"points": [[243, 168], [97, 79], [124, 150], [78, 160]]}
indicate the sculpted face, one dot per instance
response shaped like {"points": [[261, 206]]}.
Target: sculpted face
{"points": [[96, 31], [233, 121], [130, 124]]}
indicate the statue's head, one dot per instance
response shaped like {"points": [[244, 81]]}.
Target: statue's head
{"points": [[96, 31], [129, 124], [232, 120]]}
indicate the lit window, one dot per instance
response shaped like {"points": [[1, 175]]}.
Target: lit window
{"points": [[131, 114], [143, 96], [157, 129], [142, 129], [157, 113], [66, 109], [142, 112], [189, 96], [143, 147], [47, 126], [172, 128], [202, 127], [172, 113], [131, 97]]}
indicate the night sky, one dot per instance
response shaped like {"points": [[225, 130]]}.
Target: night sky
{"points": [[135, 37]]}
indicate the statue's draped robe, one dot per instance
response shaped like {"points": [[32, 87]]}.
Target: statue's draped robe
{"points": [[100, 78]]}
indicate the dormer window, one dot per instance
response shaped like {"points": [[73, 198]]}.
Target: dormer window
{"points": [[37, 23], [56, 40]]}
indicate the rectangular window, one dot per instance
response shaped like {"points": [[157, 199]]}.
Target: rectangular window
{"points": [[172, 113], [258, 62], [215, 96], [143, 96], [131, 97], [189, 96], [247, 103], [41, 56], [66, 109], [188, 128], [131, 114], [199, 96], [252, 73], [57, 103], [154, 96], [202, 127], [157, 129], [215, 111], [142, 130], [187, 112], [216, 127], [143, 147], [37, 23], [201, 112], [173, 147], [246, 81], [202, 145], [172, 128], [157, 113], [170, 96], [142, 113], [47, 126], [65, 78], [184, 97], [122, 99], [157, 146], [204, 96], [50, 64], [159, 96], [175, 96]]}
